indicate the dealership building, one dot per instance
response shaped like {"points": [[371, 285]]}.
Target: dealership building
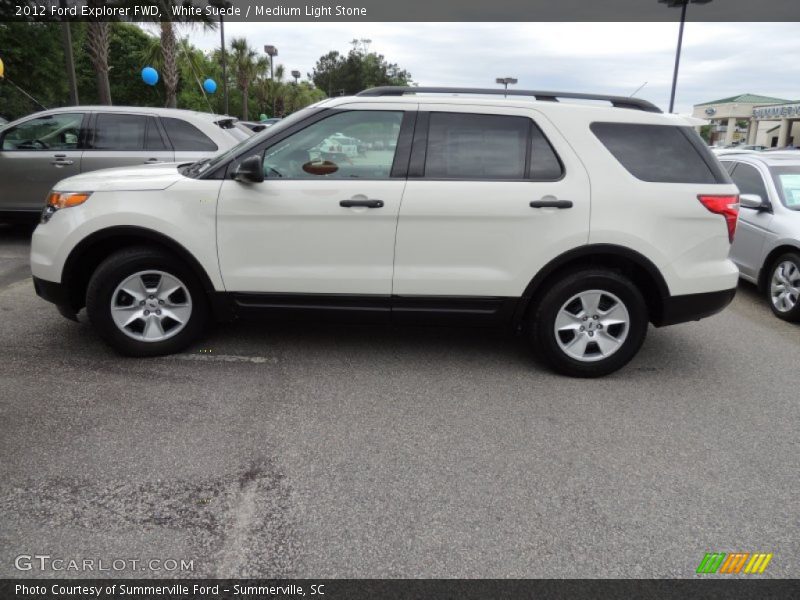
{"points": [[752, 119]]}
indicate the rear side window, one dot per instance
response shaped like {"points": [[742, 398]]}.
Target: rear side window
{"points": [[473, 146], [186, 137], [660, 153], [119, 132]]}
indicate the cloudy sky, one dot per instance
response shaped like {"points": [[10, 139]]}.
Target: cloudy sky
{"points": [[718, 60]]}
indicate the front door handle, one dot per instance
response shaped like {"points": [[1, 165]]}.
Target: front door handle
{"points": [[61, 161], [364, 203], [551, 203], [152, 161]]}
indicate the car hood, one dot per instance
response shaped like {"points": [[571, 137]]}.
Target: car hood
{"points": [[123, 179]]}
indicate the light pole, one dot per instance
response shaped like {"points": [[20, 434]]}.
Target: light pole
{"points": [[504, 81], [683, 4], [223, 5], [296, 75], [272, 52]]}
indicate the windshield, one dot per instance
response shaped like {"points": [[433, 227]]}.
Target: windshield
{"points": [[787, 181], [208, 165]]}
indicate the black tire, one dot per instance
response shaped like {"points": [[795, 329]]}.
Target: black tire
{"points": [[542, 321], [116, 269], [792, 315]]}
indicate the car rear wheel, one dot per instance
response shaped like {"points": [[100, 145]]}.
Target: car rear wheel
{"points": [[783, 291], [589, 323], [145, 302]]}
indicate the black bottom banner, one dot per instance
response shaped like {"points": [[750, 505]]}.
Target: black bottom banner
{"points": [[390, 589]]}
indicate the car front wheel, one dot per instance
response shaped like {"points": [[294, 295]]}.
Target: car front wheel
{"points": [[145, 302], [589, 323], [784, 287]]}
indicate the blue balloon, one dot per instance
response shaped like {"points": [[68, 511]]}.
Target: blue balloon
{"points": [[150, 76], [210, 86]]}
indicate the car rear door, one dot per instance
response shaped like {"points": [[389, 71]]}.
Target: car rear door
{"points": [[36, 154], [492, 196], [124, 139]]}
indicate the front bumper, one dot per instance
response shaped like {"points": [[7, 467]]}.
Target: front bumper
{"points": [[56, 293], [693, 307]]}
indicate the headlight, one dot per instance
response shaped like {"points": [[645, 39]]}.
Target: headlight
{"points": [[59, 200]]}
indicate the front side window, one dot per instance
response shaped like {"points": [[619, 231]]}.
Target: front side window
{"points": [[357, 144], [114, 131], [51, 132], [476, 146], [749, 181], [787, 180]]}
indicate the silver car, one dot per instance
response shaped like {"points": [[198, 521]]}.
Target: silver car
{"points": [[766, 247], [43, 148]]}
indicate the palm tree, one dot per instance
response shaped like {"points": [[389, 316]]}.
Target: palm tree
{"points": [[98, 37], [167, 57], [247, 66]]}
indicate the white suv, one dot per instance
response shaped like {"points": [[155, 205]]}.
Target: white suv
{"points": [[573, 223]]}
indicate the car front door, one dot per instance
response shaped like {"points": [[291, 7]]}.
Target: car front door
{"points": [[317, 224], [753, 226], [35, 155], [123, 140], [492, 196]]}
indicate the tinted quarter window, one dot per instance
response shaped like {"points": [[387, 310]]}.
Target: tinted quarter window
{"points": [[474, 146], [51, 132], [186, 137], [119, 132], [661, 153], [749, 181], [545, 165]]}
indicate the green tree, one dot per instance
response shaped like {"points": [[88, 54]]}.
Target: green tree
{"points": [[359, 70], [246, 66]]}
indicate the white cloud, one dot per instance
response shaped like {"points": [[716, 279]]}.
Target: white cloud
{"points": [[718, 59]]}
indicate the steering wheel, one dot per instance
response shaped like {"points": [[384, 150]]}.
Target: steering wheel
{"points": [[39, 145]]}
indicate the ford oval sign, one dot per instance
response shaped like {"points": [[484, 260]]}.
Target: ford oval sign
{"points": [[711, 111]]}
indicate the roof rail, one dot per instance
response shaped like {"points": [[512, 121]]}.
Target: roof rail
{"points": [[617, 101]]}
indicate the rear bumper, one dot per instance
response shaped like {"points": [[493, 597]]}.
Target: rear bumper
{"points": [[693, 307], [56, 293]]}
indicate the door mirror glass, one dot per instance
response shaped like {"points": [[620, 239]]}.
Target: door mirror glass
{"points": [[754, 201], [250, 170]]}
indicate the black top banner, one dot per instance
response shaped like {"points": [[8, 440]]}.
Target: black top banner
{"points": [[405, 10]]}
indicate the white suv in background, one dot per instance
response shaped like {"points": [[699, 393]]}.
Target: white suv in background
{"points": [[573, 223]]}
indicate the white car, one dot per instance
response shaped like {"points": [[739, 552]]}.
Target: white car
{"points": [[573, 224], [339, 145]]}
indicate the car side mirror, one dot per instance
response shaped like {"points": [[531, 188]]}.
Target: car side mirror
{"points": [[753, 201], [250, 170]]}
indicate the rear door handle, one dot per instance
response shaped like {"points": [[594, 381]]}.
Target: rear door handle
{"points": [[152, 161], [551, 204], [364, 203]]}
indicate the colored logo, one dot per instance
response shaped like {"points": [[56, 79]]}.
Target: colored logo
{"points": [[734, 563]]}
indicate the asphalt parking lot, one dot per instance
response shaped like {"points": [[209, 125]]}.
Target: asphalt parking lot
{"points": [[324, 451]]}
